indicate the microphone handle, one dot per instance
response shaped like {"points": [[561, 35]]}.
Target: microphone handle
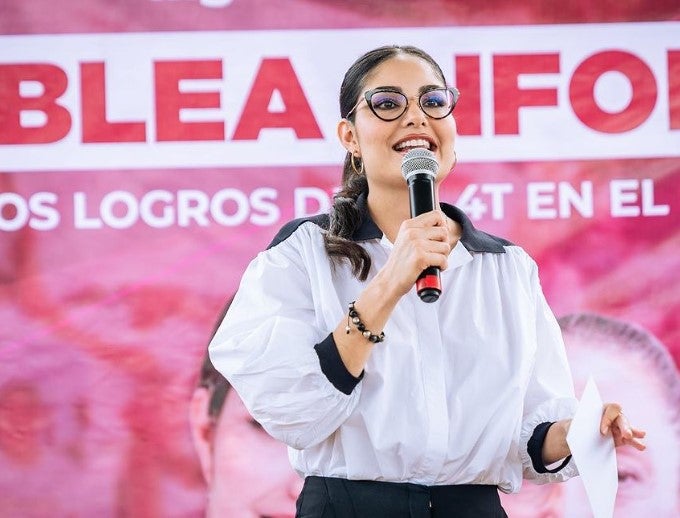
{"points": [[421, 198]]}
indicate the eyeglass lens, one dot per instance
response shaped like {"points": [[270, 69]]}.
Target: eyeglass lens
{"points": [[389, 105]]}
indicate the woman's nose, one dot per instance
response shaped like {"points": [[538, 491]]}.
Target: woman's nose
{"points": [[414, 114]]}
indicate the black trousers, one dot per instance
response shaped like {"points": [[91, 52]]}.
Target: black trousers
{"points": [[324, 497]]}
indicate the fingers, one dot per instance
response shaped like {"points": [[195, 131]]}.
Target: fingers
{"points": [[432, 225], [428, 233], [421, 242], [621, 423], [432, 218], [614, 419], [637, 444], [439, 234], [639, 434], [609, 415], [633, 440]]}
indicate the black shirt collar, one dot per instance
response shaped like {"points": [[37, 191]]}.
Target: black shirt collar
{"points": [[474, 240]]}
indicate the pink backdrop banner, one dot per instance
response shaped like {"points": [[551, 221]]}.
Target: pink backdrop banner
{"points": [[149, 150]]}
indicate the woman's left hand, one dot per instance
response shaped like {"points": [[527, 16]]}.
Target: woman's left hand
{"points": [[615, 420]]}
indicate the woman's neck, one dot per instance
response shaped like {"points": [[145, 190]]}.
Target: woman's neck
{"points": [[389, 212], [389, 209]]}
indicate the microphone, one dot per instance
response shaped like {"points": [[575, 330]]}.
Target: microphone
{"points": [[419, 169]]}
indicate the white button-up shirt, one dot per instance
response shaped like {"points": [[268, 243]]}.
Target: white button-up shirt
{"points": [[451, 396]]}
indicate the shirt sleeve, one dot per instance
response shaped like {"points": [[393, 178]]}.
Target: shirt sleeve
{"points": [[550, 392], [265, 346]]}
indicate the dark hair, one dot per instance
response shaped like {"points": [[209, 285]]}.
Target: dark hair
{"points": [[344, 215], [216, 384], [210, 378]]}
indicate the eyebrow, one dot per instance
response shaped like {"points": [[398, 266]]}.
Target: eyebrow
{"points": [[421, 90]]}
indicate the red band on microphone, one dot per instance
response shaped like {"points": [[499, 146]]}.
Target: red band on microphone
{"points": [[429, 281]]}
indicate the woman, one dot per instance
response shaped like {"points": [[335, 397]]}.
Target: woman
{"points": [[390, 406]]}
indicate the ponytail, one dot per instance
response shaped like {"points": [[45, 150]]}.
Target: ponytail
{"points": [[345, 218]]}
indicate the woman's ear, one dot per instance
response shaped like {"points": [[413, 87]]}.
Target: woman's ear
{"points": [[202, 430], [347, 136]]}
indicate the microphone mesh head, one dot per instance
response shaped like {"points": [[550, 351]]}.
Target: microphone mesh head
{"points": [[419, 161]]}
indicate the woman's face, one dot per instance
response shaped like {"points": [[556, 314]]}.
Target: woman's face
{"points": [[251, 474], [382, 144]]}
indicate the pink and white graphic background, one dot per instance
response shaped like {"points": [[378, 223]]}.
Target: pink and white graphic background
{"points": [[149, 149]]}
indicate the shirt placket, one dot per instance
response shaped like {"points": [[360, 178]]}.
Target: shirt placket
{"points": [[434, 387]]}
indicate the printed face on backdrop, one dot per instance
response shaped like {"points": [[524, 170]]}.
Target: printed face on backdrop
{"points": [[136, 305], [649, 482], [57, 421], [247, 472], [381, 144]]}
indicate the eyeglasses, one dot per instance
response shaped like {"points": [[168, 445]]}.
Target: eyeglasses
{"points": [[389, 105]]}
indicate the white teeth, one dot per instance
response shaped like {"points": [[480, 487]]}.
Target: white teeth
{"points": [[414, 143]]}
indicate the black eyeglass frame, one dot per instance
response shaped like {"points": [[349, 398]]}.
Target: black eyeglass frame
{"points": [[370, 93]]}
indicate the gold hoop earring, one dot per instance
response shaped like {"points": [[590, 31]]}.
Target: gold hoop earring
{"points": [[359, 171]]}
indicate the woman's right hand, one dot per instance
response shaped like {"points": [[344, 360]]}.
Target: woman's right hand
{"points": [[423, 241]]}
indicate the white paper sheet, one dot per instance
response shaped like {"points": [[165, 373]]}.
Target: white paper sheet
{"points": [[593, 453]]}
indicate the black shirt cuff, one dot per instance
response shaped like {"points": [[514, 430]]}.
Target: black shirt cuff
{"points": [[535, 449], [333, 368]]}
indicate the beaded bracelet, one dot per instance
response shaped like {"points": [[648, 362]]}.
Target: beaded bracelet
{"points": [[361, 327]]}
